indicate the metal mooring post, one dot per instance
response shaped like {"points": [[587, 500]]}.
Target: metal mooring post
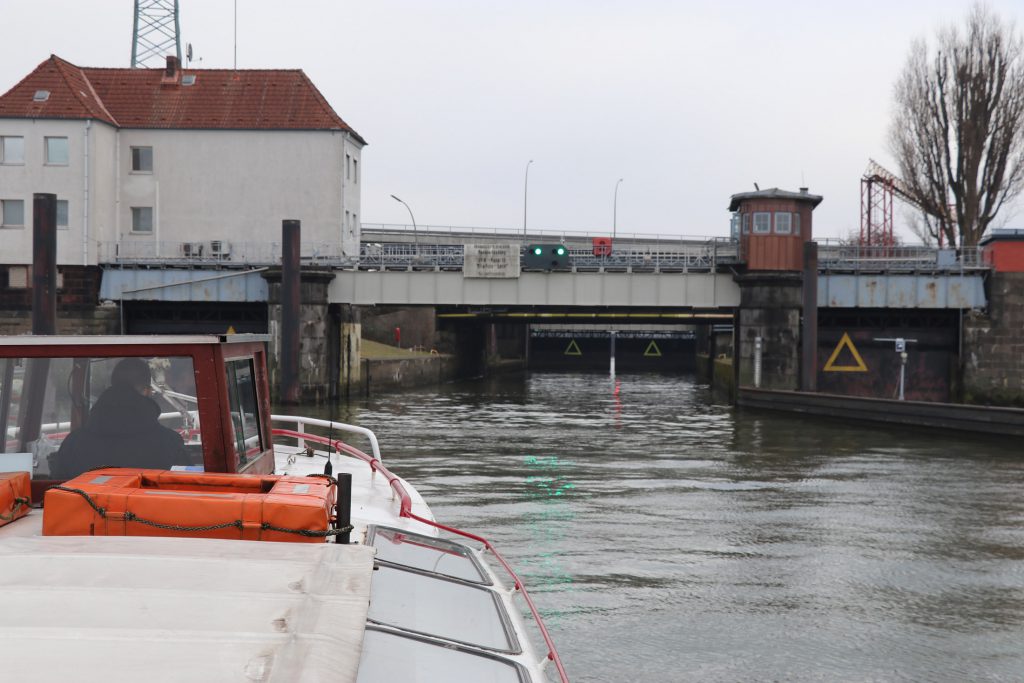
{"points": [[612, 338], [758, 344], [291, 303], [44, 263]]}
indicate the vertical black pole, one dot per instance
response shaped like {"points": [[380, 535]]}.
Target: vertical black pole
{"points": [[809, 334], [44, 263], [291, 303], [344, 509]]}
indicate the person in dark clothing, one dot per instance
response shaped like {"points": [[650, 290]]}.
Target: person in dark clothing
{"points": [[122, 430]]}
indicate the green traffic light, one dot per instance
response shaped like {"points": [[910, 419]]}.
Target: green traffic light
{"points": [[560, 251], [537, 251]]}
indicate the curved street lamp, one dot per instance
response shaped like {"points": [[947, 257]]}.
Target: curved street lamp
{"points": [[415, 238], [615, 209], [526, 186]]}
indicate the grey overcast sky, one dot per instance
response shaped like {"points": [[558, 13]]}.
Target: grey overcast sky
{"points": [[688, 102]]}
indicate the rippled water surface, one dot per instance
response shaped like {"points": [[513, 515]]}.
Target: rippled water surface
{"points": [[666, 538]]}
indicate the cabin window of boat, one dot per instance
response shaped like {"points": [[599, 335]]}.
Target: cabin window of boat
{"points": [[245, 414], [142, 159], [74, 414]]}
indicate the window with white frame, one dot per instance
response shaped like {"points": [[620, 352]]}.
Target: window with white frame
{"points": [[796, 223], [12, 213], [762, 223], [746, 224], [62, 214], [56, 151], [783, 223], [142, 219], [12, 149], [142, 159]]}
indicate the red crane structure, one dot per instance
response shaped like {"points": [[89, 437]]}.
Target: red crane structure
{"points": [[878, 188]]}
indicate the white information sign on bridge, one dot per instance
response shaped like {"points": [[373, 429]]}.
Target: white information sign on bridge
{"points": [[491, 260]]}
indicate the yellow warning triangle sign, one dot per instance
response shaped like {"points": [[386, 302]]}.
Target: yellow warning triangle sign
{"points": [[231, 329], [652, 350], [573, 349], [857, 366]]}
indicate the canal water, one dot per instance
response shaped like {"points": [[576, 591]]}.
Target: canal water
{"points": [[669, 538]]}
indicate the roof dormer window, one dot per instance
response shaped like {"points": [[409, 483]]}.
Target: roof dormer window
{"points": [[41, 96]]}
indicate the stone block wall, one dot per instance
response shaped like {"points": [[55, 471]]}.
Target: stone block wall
{"points": [[770, 306], [993, 345], [78, 307]]}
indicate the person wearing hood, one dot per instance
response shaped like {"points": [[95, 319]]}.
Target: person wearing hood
{"points": [[123, 429]]}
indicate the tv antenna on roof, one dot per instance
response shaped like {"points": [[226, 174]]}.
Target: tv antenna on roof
{"points": [[188, 53]]}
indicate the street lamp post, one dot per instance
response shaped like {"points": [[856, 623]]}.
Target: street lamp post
{"points": [[415, 238], [526, 187], [615, 210]]}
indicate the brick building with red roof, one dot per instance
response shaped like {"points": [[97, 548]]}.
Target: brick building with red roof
{"points": [[176, 162]]}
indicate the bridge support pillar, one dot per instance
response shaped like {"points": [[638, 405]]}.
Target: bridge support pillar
{"points": [[770, 308], [317, 353]]}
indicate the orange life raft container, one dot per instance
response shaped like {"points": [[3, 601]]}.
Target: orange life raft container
{"points": [[137, 502], [15, 496]]}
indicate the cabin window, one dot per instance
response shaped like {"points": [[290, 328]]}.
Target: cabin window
{"points": [[12, 213], [796, 223], [12, 149], [245, 415], [762, 223], [76, 414], [746, 224], [783, 224], [56, 151], [142, 219], [142, 159]]}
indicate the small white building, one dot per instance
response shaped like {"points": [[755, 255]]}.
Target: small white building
{"points": [[176, 163]]}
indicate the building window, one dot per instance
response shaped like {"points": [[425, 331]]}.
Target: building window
{"points": [[12, 150], [142, 159], [56, 151], [62, 214], [12, 213], [796, 223], [783, 224], [355, 171], [746, 224], [142, 219], [348, 167], [762, 223]]}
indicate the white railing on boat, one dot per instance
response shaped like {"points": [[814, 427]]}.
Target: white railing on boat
{"points": [[301, 422]]}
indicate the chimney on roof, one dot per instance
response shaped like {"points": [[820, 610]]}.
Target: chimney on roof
{"points": [[803, 190], [172, 73]]}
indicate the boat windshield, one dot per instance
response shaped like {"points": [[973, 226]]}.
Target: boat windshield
{"points": [[67, 415]]}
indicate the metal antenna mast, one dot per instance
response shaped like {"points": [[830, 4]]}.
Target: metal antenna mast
{"points": [[156, 33]]}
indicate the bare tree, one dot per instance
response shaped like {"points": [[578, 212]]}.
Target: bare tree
{"points": [[958, 126]]}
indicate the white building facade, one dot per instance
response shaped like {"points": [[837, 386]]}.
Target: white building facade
{"points": [[193, 164]]}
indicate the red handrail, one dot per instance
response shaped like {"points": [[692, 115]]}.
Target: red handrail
{"points": [[405, 510]]}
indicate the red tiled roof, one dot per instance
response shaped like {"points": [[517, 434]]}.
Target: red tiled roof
{"points": [[264, 99]]}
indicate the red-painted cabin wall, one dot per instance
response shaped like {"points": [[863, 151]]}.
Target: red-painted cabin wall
{"points": [[772, 251]]}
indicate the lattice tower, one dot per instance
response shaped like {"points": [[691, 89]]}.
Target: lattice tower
{"points": [[156, 33]]}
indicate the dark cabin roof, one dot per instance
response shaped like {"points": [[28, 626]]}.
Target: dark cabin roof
{"points": [[774, 193]]}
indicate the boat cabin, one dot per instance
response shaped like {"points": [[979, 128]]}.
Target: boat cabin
{"points": [[74, 403]]}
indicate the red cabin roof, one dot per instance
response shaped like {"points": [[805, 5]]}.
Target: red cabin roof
{"points": [[253, 99]]}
